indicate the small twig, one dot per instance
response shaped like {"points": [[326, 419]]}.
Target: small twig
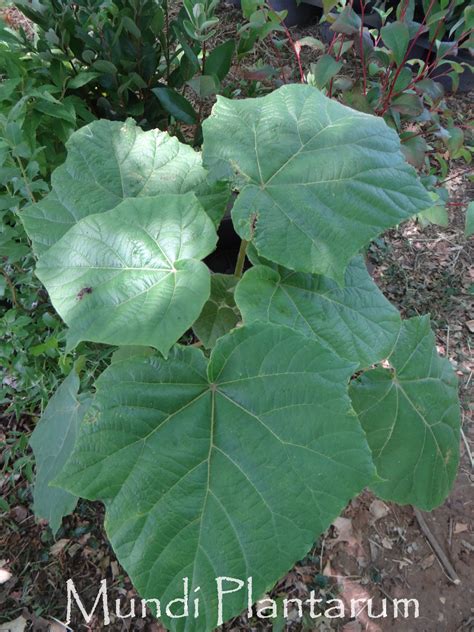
{"points": [[25, 179], [442, 557], [12, 288], [295, 47], [456, 175], [321, 556], [384, 593], [387, 99], [468, 449], [361, 46]]}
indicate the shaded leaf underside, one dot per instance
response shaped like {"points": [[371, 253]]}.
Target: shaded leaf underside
{"points": [[52, 442], [220, 314]]}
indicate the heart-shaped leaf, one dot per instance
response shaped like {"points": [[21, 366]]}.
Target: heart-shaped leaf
{"points": [[317, 180], [107, 162], [52, 442], [356, 321], [347, 22], [411, 418], [244, 459], [137, 263]]}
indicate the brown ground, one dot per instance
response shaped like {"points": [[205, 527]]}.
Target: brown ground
{"points": [[374, 548]]}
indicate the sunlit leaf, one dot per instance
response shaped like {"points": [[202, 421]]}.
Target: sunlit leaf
{"points": [[317, 180], [132, 275], [107, 162]]}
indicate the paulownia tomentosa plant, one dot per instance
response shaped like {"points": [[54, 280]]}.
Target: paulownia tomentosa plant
{"points": [[230, 459]]}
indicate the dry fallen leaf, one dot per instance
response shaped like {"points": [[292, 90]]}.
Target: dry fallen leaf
{"points": [[374, 550], [352, 626], [4, 575], [402, 563], [460, 527], [378, 509], [59, 546], [350, 592], [18, 625], [343, 527], [19, 513], [427, 562], [470, 326], [57, 626], [346, 534], [73, 549]]}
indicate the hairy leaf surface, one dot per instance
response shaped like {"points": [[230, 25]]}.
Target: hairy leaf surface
{"points": [[109, 161], [356, 321], [220, 314], [227, 468], [132, 276], [317, 180], [52, 442], [411, 417]]}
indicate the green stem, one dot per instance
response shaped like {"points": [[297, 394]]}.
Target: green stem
{"points": [[204, 51], [167, 37], [25, 179], [239, 266], [12, 289]]}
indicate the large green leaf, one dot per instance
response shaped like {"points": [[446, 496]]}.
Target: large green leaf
{"points": [[356, 321], [411, 418], [317, 180], [132, 276], [228, 468], [324, 70], [219, 60], [52, 442], [396, 37], [220, 314], [108, 161], [176, 105]]}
